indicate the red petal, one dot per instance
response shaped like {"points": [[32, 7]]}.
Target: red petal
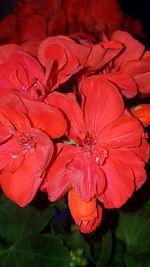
{"points": [[14, 110], [142, 113], [103, 53], [46, 117], [68, 104], [124, 81], [123, 132], [87, 179], [103, 103], [133, 48], [57, 183], [120, 183], [87, 215], [22, 185], [131, 159]]}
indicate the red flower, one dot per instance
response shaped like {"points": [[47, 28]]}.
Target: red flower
{"points": [[25, 145], [106, 160], [64, 57], [24, 74], [102, 14], [117, 70]]}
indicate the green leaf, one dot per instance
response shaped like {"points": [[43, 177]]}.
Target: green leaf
{"points": [[138, 261], [76, 240], [35, 250], [16, 222], [118, 255], [22, 242], [106, 250], [133, 229]]}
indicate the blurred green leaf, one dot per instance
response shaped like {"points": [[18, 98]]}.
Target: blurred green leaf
{"points": [[35, 250], [133, 229], [117, 259], [21, 242], [16, 221], [106, 250], [138, 261], [76, 240]]}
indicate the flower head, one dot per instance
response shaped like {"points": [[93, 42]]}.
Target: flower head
{"points": [[106, 137]]}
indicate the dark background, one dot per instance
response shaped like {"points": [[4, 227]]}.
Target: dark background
{"points": [[139, 9]]}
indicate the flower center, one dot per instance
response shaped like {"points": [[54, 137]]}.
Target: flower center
{"points": [[90, 140], [26, 142]]}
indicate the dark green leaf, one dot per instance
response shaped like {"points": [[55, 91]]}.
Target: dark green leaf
{"points": [[16, 222], [106, 250], [138, 261], [45, 250], [76, 240], [133, 230], [21, 242]]}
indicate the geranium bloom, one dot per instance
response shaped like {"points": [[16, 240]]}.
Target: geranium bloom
{"points": [[25, 144], [116, 70], [108, 152], [23, 73], [103, 13], [66, 57]]}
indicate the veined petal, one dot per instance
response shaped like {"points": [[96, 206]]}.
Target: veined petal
{"points": [[120, 183], [87, 178], [103, 103], [57, 183], [135, 162], [126, 131]]}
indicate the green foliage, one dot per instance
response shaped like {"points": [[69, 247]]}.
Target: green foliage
{"points": [[134, 232], [22, 242], [33, 237]]}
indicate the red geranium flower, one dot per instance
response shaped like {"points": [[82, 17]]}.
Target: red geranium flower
{"points": [[103, 13], [25, 145], [116, 72], [23, 73], [108, 151]]}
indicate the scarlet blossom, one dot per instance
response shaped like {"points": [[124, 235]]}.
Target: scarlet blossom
{"points": [[66, 57], [118, 70], [106, 152], [23, 73], [102, 14], [87, 215], [142, 113], [25, 145]]}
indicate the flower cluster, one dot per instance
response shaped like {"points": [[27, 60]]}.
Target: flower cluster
{"points": [[66, 122]]}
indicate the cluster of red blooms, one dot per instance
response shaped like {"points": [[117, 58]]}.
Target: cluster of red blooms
{"points": [[64, 126]]}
